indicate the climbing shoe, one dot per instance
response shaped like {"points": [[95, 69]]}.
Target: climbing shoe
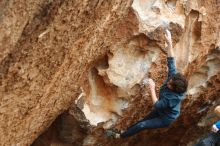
{"points": [[112, 133]]}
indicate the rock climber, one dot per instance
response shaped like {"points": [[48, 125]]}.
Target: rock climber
{"points": [[166, 109], [213, 138]]}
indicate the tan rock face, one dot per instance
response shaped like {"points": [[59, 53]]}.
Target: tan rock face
{"points": [[93, 55], [41, 76], [155, 13]]}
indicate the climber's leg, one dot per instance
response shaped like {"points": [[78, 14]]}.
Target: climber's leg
{"points": [[145, 124], [153, 114]]}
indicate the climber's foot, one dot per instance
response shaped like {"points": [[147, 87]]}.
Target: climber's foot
{"points": [[112, 133]]}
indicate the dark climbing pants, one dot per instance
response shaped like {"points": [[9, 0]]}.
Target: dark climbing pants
{"points": [[212, 139], [151, 121]]}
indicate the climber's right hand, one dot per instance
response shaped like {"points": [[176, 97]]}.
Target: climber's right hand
{"points": [[168, 38], [169, 44]]}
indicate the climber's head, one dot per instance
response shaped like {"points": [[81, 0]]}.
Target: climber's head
{"points": [[178, 83]]}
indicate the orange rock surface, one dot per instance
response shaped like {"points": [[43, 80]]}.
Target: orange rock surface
{"points": [[86, 60]]}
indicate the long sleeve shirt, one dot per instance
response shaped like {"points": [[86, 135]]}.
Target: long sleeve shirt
{"points": [[169, 101]]}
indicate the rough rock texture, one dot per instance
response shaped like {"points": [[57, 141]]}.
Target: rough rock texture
{"points": [[41, 75], [87, 59]]}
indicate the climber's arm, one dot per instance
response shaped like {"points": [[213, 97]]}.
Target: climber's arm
{"points": [[153, 91], [169, 43], [171, 66], [170, 55]]}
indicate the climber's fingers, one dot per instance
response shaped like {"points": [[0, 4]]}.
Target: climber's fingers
{"points": [[151, 84], [168, 37]]}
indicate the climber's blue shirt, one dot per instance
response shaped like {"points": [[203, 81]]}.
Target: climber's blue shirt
{"points": [[169, 102]]}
